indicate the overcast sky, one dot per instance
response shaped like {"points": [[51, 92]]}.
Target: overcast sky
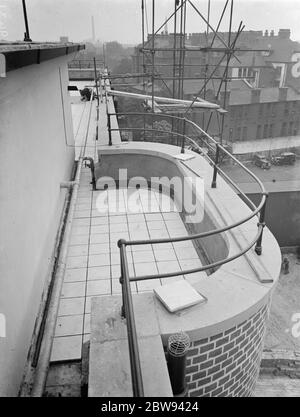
{"points": [[121, 19]]}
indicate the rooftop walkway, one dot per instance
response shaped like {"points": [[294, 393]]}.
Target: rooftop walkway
{"points": [[101, 218]]}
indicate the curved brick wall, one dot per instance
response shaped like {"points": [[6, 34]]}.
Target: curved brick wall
{"points": [[227, 364]]}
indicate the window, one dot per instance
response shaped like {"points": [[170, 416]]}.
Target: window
{"points": [[271, 130], [286, 108], [230, 134], [291, 125], [258, 132], [245, 129], [238, 134], [265, 135], [283, 129]]}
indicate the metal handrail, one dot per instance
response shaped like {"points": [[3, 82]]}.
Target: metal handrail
{"points": [[127, 307]]}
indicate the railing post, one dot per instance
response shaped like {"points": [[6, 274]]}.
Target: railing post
{"points": [[109, 129], [258, 246], [214, 181], [183, 137], [127, 310]]}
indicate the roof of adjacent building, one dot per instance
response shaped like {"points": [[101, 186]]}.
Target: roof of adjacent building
{"points": [[21, 54]]}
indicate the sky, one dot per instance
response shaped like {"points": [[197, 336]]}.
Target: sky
{"points": [[120, 20]]}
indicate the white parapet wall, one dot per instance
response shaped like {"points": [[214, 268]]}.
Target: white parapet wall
{"points": [[36, 155]]}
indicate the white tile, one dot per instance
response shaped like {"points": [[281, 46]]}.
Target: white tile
{"points": [[156, 225], [75, 275], [138, 227], [102, 228], [101, 212], [66, 348], [143, 256], [87, 324], [78, 250], [99, 287], [159, 234], [82, 206], [99, 238], [80, 230], [165, 255], [99, 260], [139, 235], [79, 240], [183, 244], [118, 227], [153, 217], [148, 285], [99, 248], [136, 218], [78, 214], [73, 289], [71, 306], [171, 216], [97, 221], [69, 325], [81, 222], [178, 232], [98, 272], [170, 280], [118, 219], [76, 262], [186, 253], [145, 268], [168, 267], [138, 248]]}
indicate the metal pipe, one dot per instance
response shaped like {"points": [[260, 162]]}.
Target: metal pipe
{"points": [[96, 80], [92, 168], [258, 247], [214, 181], [178, 345], [26, 34], [109, 129], [136, 373], [190, 271]]}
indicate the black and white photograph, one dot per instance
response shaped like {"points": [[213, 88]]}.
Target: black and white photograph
{"points": [[149, 202]]}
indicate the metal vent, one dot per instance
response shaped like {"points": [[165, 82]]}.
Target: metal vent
{"points": [[178, 344]]}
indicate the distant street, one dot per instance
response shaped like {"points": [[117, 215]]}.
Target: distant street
{"points": [[277, 173]]}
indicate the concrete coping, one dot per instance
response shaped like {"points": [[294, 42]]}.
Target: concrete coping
{"points": [[237, 289], [109, 365]]}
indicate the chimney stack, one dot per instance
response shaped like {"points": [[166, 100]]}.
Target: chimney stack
{"points": [[284, 33], [282, 93], [93, 30], [255, 95]]}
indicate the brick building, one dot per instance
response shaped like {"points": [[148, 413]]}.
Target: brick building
{"points": [[263, 96]]}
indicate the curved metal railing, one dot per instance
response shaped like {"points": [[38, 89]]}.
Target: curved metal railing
{"points": [[259, 210]]}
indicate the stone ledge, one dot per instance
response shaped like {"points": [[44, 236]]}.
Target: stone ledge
{"points": [[109, 373]]}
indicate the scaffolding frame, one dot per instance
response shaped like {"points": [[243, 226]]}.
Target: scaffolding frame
{"points": [[226, 48]]}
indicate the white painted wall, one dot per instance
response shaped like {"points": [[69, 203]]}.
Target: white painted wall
{"points": [[34, 159]]}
